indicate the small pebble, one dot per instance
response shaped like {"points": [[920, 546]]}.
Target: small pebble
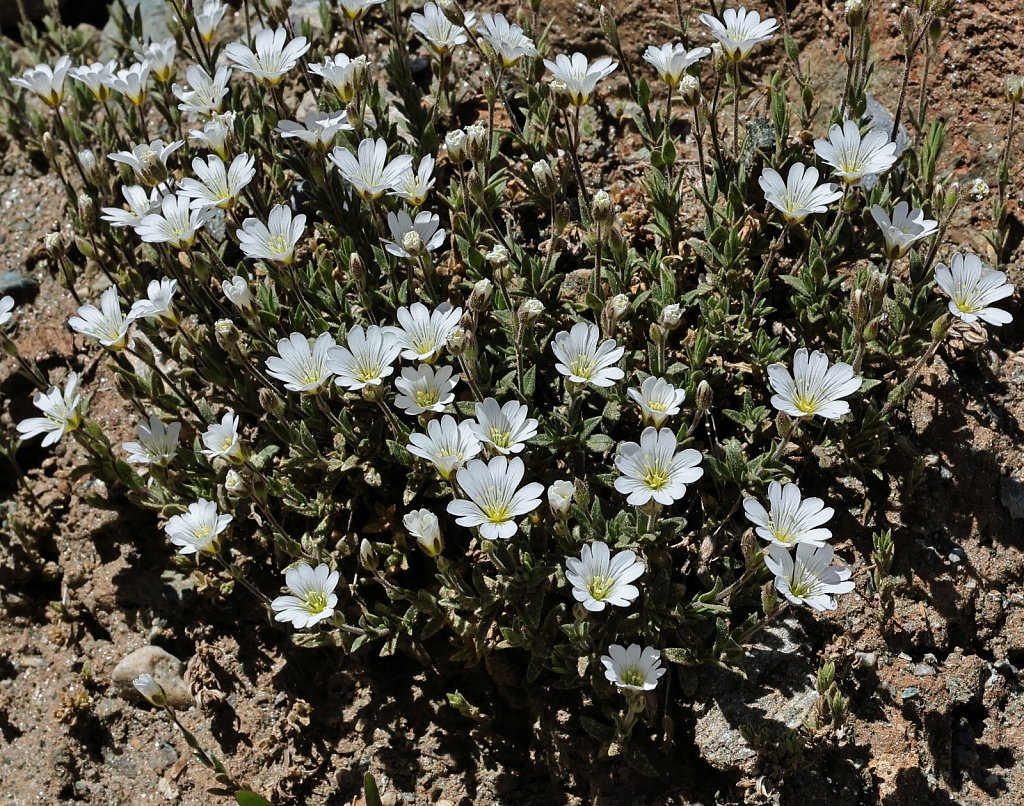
{"points": [[909, 693], [924, 670]]}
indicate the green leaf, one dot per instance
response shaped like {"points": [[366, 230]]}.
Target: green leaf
{"points": [[370, 793], [246, 798]]}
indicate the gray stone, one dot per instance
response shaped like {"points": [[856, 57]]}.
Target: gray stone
{"points": [[924, 670], [17, 285], [165, 668], [910, 693], [1011, 494]]}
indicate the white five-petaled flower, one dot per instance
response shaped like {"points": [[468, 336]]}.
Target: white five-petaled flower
{"points": [[972, 288], [45, 81], [107, 324], [146, 156], [440, 34], [341, 74], [160, 56], [424, 389], [215, 134], [447, 445], [671, 61], [652, 470], [423, 525], [813, 387], [159, 302], [799, 195], [131, 82], [598, 579], [413, 186], [274, 240], [95, 76], [61, 412], [238, 293], [507, 40], [140, 204], [739, 30], [313, 598], [218, 185], [222, 440], [368, 170], [904, 229], [582, 360], [423, 333], [206, 94], [635, 668], [198, 529], [318, 130], [493, 501], [578, 75], [560, 497], [808, 577], [301, 365], [157, 445], [789, 520], [366, 358], [6, 306], [411, 237], [208, 18], [658, 400], [176, 224], [506, 428], [357, 9], [853, 157], [271, 56]]}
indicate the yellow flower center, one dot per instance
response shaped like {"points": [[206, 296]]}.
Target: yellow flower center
{"points": [[502, 439], [425, 398], [316, 602], [655, 477], [632, 676], [599, 587], [582, 366], [277, 244]]}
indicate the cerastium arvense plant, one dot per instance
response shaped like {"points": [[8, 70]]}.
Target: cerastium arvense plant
{"points": [[425, 377]]}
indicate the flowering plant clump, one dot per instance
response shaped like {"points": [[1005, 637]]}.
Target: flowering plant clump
{"points": [[428, 370]]}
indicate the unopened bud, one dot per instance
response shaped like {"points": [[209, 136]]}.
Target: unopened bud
{"points": [[530, 310], [601, 207], [935, 31], [237, 290], [618, 306], [452, 11], [149, 688], [151, 168], [560, 495], [689, 89], [908, 25], [476, 142], [235, 484], [544, 177], [226, 333], [372, 392], [719, 61], [458, 341], [769, 599], [497, 257], [480, 297], [940, 327], [368, 555], [87, 211], [474, 183], [357, 270], [412, 243], [562, 217], [49, 147], [703, 396], [671, 317], [858, 308], [54, 244], [854, 12], [656, 333], [87, 159], [271, 403], [455, 145], [1014, 89]]}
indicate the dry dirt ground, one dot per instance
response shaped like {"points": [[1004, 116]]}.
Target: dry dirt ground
{"points": [[937, 712]]}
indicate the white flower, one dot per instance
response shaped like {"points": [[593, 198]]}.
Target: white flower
{"points": [[149, 688], [634, 668], [814, 387], [6, 306], [789, 520], [582, 360], [800, 195], [60, 410], [356, 9], [145, 156], [159, 302], [209, 18], [95, 76], [45, 81], [810, 578], [366, 358], [560, 497], [272, 55], [508, 41], [671, 61], [413, 186], [222, 440], [493, 500], [440, 34], [215, 133], [107, 324], [341, 74], [218, 185], [131, 82], [422, 389], [274, 240], [302, 367], [578, 75], [653, 470], [447, 445], [313, 598], [598, 579], [198, 529], [851, 157], [427, 235], [237, 291], [505, 428], [176, 224], [206, 94], [658, 400], [423, 525], [318, 130], [455, 145], [973, 287], [368, 171], [739, 30], [423, 333], [157, 445], [140, 204], [160, 56], [905, 228]]}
